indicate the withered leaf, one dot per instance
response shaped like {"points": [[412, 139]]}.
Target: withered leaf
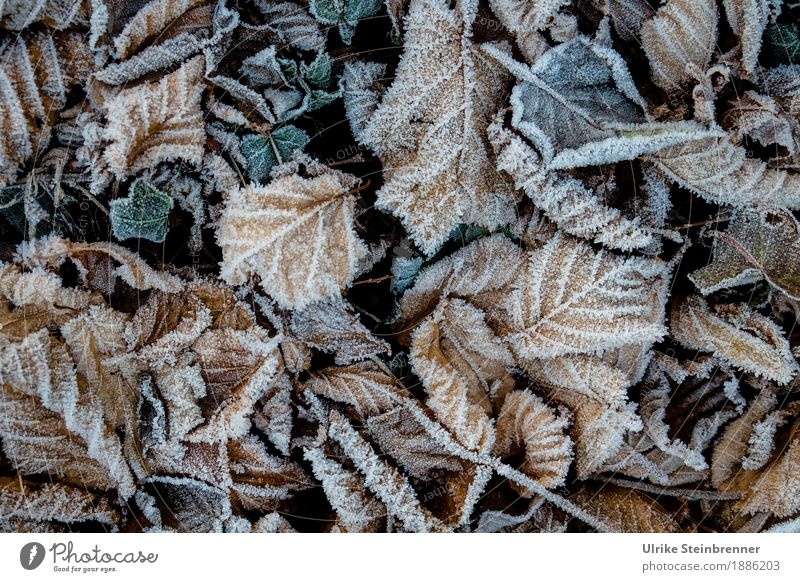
{"points": [[756, 245], [364, 386], [330, 327], [429, 130], [628, 510], [571, 299], [737, 335], [682, 33], [156, 122], [301, 215], [406, 440], [526, 422]]}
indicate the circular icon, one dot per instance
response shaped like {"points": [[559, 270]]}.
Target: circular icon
{"points": [[31, 555]]}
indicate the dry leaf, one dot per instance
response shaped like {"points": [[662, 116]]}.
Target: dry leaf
{"points": [[737, 335], [430, 128], [330, 327], [628, 510], [403, 438], [462, 366], [746, 252], [721, 172], [364, 386], [526, 422], [357, 510], [682, 33], [301, 215], [748, 19], [156, 122], [564, 200], [571, 300]]}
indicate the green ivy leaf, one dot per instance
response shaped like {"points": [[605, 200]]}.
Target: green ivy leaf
{"points": [[782, 44], [260, 152], [318, 73], [143, 214], [344, 13]]}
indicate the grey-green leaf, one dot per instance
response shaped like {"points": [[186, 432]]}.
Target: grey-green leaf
{"points": [[344, 13], [580, 107], [263, 154], [143, 214], [318, 73]]}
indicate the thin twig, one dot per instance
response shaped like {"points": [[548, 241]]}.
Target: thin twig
{"points": [[91, 197]]}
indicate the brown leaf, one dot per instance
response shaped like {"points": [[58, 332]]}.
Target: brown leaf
{"points": [[301, 216], [400, 436], [52, 502], [330, 327], [364, 386], [628, 511], [526, 423], [156, 122], [737, 335], [430, 128], [571, 300], [682, 33], [755, 245]]}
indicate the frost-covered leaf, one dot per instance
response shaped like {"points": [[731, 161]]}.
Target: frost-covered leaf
{"points": [[654, 401], [357, 510], [525, 18], [682, 33], [628, 16], [406, 440], [362, 93], [330, 327], [34, 299], [430, 128], [782, 43], [748, 19], [776, 489], [755, 245], [585, 373], [293, 24], [580, 107], [50, 426], [761, 118], [344, 13], [32, 502], [627, 510], [463, 367], [310, 252], [58, 14], [98, 264], [571, 299], [143, 214], [188, 505], [565, 201], [155, 122], [159, 20], [762, 442], [253, 466], [599, 428], [722, 172], [526, 422], [264, 153], [737, 335], [482, 272], [392, 488], [731, 448], [37, 71], [364, 386]]}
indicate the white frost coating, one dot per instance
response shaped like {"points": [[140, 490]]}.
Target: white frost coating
{"points": [[389, 485]]}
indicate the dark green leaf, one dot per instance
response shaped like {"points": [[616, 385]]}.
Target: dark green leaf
{"points": [[144, 214]]}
